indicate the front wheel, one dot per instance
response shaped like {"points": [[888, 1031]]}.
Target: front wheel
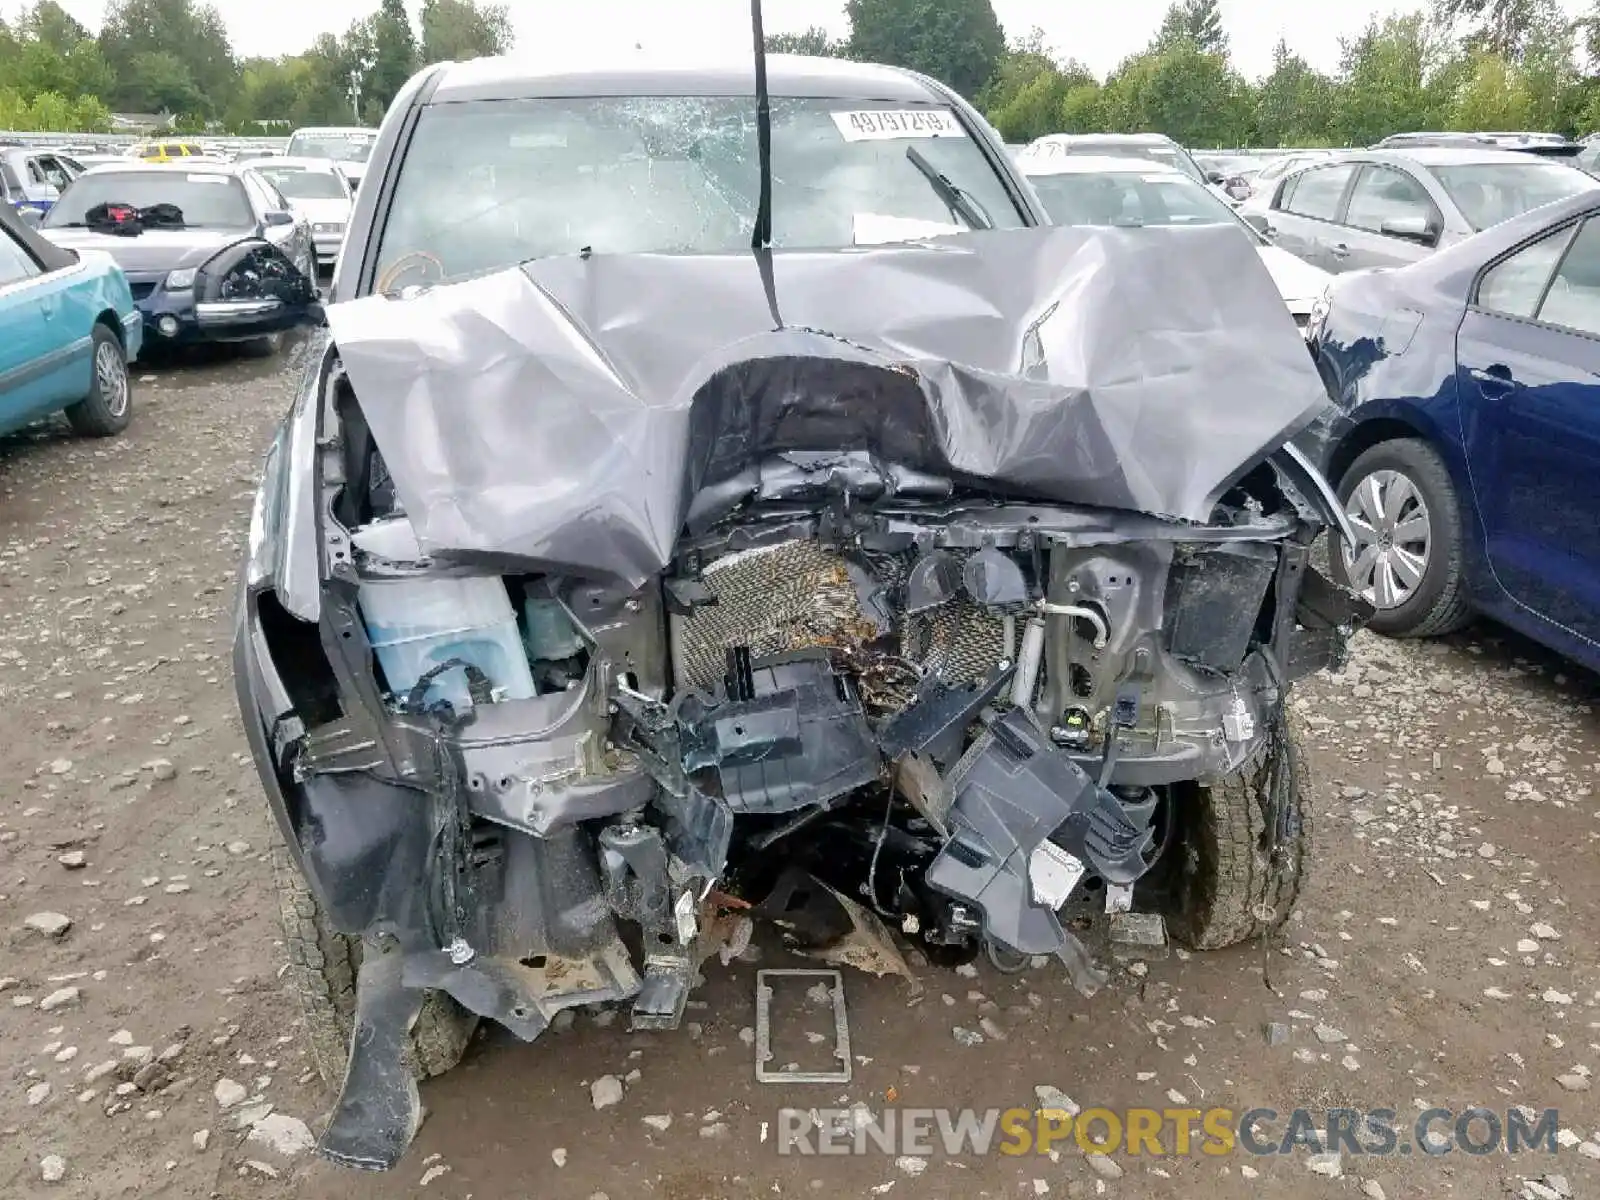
{"points": [[1242, 846], [1407, 559], [323, 965], [105, 411]]}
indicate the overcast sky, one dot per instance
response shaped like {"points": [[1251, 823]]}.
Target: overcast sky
{"points": [[1099, 33]]}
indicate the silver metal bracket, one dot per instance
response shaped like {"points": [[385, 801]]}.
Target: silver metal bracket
{"points": [[841, 1028]]}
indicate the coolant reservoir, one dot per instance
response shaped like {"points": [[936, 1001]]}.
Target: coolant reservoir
{"points": [[415, 625]]}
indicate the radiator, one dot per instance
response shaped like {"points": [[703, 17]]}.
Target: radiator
{"points": [[799, 595]]}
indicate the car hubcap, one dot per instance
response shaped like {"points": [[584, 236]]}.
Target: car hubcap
{"points": [[111, 375], [1390, 558]]}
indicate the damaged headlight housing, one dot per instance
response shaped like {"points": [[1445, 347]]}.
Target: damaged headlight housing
{"points": [[262, 558]]}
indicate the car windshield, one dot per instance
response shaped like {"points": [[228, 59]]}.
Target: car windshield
{"points": [[1130, 198], [491, 183], [341, 147], [1488, 193], [207, 201], [303, 183]]}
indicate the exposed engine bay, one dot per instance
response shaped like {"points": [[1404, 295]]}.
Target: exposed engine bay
{"points": [[533, 730]]}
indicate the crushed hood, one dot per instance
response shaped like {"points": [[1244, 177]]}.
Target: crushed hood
{"points": [[566, 411]]}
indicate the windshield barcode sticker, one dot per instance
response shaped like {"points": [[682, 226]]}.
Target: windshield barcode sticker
{"points": [[882, 124]]}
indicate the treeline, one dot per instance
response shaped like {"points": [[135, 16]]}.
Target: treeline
{"points": [[174, 57], [1464, 64]]}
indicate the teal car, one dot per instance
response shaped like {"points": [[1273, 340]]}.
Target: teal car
{"points": [[68, 329]]}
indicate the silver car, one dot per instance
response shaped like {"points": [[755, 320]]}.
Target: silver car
{"points": [[1388, 208]]}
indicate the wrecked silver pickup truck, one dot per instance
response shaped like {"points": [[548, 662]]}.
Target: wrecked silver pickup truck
{"points": [[966, 579]]}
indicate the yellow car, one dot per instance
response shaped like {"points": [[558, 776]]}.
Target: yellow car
{"points": [[167, 151]]}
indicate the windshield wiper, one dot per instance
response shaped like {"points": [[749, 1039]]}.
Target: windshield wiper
{"points": [[958, 201]]}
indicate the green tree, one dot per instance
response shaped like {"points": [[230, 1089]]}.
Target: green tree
{"points": [[161, 50], [1494, 96], [394, 57], [42, 67], [1500, 26], [457, 30], [89, 115], [322, 78], [50, 110], [1023, 100], [49, 23], [812, 40], [1294, 103], [1197, 21], [1083, 109], [958, 42], [1382, 88], [1192, 97]]}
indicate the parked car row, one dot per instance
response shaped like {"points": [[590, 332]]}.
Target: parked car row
{"points": [[138, 254]]}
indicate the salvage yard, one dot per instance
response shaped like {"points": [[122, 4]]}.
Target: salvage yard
{"points": [[1442, 956]]}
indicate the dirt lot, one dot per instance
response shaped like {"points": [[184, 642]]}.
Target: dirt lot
{"points": [[1442, 957]]}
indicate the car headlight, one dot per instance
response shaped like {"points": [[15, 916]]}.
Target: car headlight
{"points": [[178, 281]]}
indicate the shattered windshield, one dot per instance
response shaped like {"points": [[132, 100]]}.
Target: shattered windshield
{"points": [[674, 174], [206, 201]]}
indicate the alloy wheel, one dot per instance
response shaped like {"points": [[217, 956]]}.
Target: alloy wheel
{"points": [[111, 377], [1390, 558]]}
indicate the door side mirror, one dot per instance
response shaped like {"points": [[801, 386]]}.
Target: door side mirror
{"points": [[1216, 177], [1411, 229], [279, 217], [1256, 221]]}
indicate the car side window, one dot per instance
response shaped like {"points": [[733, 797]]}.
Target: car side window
{"points": [[1317, 191], [1514, 286], [1573, 298], [10, 184], [54, 172], [16, 264], [35, 175], [1388, 194]]}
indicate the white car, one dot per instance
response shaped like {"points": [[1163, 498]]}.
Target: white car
{"points": [[348, 145], [1265, 181], [1091, 190], [318, 189], [1154, 147]]}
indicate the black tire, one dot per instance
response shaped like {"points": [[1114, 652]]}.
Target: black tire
{"points": [[1226, 888], [1440, 603], [104, 412], [322, 971]]}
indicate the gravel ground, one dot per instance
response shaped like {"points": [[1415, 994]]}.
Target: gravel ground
{"points": [[1441, 956]]}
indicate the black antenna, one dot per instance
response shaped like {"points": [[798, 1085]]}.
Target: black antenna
{"points": [[761, 236]]}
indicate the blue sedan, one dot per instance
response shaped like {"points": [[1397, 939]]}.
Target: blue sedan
{"points": [[1466, 446], [68, 329]]}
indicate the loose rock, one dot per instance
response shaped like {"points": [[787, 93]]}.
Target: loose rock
{"points": [[51, 924], [283, 1135], [605, 1091]]}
